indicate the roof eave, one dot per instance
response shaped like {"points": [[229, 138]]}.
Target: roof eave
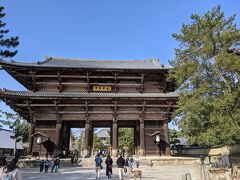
{"points": [[41, 65]]}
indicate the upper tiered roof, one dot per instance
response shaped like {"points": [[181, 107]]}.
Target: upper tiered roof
{"points": [[54, 62], [51, 95]]}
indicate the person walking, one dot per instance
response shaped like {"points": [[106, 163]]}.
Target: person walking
{"points": [[3, 163], [131, 165], [57, 164], [46, 165], [109, 163], [98, 161], [126, 165], [11, 171], [53, 165], [41, 166], [120, 164]]}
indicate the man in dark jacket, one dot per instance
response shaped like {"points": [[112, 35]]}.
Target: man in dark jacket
{"points": [[120, 164]]}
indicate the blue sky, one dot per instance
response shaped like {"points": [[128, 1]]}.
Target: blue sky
{"points": [[106, 29]]}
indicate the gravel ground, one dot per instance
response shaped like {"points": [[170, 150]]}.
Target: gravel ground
{"points": [[170, 172]]}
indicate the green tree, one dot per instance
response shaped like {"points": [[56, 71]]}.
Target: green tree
{"points": [[97, 143], [6, 50], [19, 126], [207, 70], [126, 139], [80, 141], [7, 44], [21, 130], [173, 135]]}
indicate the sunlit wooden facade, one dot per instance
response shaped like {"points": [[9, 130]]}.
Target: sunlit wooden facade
{"points": [[69, 93]]}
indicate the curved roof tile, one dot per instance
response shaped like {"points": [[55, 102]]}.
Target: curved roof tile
{"points": [[86, 95], [53, 62]]}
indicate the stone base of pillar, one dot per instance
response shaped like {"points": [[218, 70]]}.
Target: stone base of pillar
{"points": [[114, 153], [168, 151], [141, 152]]}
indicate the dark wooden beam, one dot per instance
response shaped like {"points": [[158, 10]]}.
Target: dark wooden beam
{"points": [[115, 111], [97, 105], [88, 82], [33, 80], [142, 137], [77, 76], [142, 83], [115, 82], [143, 110], [30, 111], [105, 112], [60, 86], [86, 111]]}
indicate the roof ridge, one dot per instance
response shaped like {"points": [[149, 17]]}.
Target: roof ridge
{"points": [[100, 60]]}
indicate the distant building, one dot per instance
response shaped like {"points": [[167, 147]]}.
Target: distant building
{"points": [[183, 141], [7, 143], [104, 134]]}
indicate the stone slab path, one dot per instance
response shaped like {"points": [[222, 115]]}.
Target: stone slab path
{"points": [[170, 172]]}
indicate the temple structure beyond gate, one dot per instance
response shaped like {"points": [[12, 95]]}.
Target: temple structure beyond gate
{"points": [[70, 93]]}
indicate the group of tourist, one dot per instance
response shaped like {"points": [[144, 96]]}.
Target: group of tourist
{"points": [[124, 166], [9, 171], [54, 164]]}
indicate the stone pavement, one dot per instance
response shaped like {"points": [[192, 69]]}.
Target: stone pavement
{"points": [[170, 172]]}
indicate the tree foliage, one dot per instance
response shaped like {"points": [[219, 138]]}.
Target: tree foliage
{"points": [[21, 130], [174, 135], [80, 141], [207, 70], [15, 122], [8, 43], [97, 143], [126, 139]]}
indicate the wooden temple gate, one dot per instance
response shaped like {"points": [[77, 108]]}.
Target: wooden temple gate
{"points": [[66, 93]]}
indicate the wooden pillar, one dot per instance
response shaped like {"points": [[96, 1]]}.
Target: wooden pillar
{"points": [[64, 138], [57, 136], [142, 138], [68, 139], [87, 139], [114, 139], [91, 133], [136, 138], [166, 135], [30, 138]]}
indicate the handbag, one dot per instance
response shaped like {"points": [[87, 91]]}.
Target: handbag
{"points": [[101, 167]]}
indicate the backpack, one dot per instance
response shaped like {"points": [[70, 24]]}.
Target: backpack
{"points": [[98, 161], [46, 163]]}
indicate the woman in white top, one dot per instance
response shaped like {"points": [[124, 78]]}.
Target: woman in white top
{"points": [[11, 171], [2, 165]]}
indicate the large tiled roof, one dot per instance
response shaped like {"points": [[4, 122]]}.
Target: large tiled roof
{"points": [[103, 133], [6, 141], [49, 95], [53, 62]]}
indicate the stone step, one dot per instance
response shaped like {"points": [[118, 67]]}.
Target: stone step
{"points": [[148, 161], [158, 161], [36, 162]]}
